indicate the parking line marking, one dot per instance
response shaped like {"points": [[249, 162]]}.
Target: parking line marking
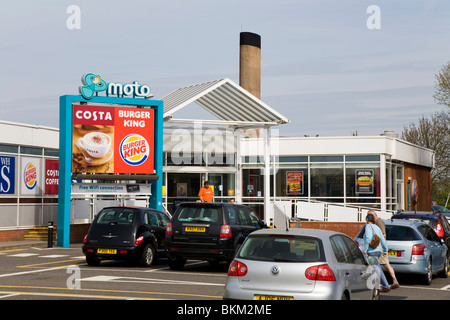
{"points": [[103, 291], [23, 255]]}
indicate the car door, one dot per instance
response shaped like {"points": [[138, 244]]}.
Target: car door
{"points": [[435, 245], [156, 226], [351, 275]]}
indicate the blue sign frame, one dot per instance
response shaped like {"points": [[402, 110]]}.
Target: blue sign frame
{"points": [[65, 155]]}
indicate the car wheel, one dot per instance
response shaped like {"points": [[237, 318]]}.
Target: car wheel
{"points": [[93, 261], [429, 276], [444, 272], [147, 257], [176, 263]]}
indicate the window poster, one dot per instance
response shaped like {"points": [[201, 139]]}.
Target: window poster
{"points": [[364, 181], [31, 183], [7, 175], [294, 182], [112, 140]]}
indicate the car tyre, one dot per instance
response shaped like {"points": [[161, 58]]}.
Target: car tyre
{"points": [[444, 272], [94, 262], [428, 277], [376, 294], [147, 257]]}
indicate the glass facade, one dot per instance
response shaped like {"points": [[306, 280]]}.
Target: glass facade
{"points": [[342, 179]]}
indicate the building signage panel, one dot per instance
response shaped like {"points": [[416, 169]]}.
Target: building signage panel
{"points": [[110, 188], [31, 174], [112, 140], [51, 179], [7, 175]]}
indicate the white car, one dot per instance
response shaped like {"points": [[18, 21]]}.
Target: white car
{"points": [[276, 264]]}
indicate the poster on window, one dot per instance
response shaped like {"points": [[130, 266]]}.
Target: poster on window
{"points": [[7, 175], [31, 183], [294, 182], [51, 177], [112, 140], [364, 181]]}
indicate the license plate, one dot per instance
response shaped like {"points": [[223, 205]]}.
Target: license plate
{"points": [[265, 297], [393, 253], [195, 229], [107, 251]]}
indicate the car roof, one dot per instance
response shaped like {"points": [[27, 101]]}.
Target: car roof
{"points": [[297, 232], [418, 214], [408, 223]]}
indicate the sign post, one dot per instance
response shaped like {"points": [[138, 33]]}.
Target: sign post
{"points": [[135, 146]]}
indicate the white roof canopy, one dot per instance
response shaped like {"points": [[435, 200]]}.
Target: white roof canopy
{"points": [[230, 103]]}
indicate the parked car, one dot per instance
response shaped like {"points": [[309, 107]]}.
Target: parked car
{"points": [[436, 220], [414, 248], [277, 264], [126, 233], [208, 231], [441, 209]]}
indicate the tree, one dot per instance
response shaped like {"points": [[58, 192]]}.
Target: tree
{"points": [[442, 86], [433, 134]]}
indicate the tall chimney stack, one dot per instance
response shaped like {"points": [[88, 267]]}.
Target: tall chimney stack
{"points": [[250, 63]]}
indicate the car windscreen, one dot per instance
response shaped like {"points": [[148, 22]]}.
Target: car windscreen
{"points": [[116, 216], [199, 214], [282, 248], [401, 233]]}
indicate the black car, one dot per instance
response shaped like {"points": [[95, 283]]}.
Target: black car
{"points": [[126, 233], [435, 220], [208, 231]]}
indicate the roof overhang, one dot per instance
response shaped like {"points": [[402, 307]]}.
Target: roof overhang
{"points": [[230, 103]]}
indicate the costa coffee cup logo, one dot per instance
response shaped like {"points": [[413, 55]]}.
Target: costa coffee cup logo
{"points": [[134, 149], [96, 144]]}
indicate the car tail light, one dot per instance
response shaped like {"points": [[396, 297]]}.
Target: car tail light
{"points": [[139, 240], [418, 249], [237, 269], [85, 239], [169, 229], [225, 231], [320, 273], [440, 230]]}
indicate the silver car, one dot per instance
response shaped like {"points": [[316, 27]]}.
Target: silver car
{"points": [[414, 248], [276, 264]]}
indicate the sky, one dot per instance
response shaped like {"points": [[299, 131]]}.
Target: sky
{"points": [[323, 64]]}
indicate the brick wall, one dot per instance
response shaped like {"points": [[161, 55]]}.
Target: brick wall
{"points": [[349, 228], [77, 233]]}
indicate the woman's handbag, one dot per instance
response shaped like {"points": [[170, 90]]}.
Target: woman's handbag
{"points": [[375, 240]]}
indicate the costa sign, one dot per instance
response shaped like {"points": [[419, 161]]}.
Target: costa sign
{"points": [[112, 140]]}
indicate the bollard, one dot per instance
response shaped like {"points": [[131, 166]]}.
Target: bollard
{"points": [[50, 235]]}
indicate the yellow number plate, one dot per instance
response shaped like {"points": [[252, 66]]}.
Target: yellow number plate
{"points": [[264, 297], [107, 251], [392, 253], [195, 229]]}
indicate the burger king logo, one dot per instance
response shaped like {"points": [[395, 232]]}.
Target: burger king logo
{"points": [[30, 176], [134, 149]]}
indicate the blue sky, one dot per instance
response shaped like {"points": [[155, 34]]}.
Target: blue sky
{"points": [[321, 66]]}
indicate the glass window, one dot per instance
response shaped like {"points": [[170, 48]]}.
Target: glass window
{"points": [[327, 180], [31, 150], [8, 148], [199, 214], [361, 179], [340, 250], [292, 182], [358, 158], [327, 158], [116, 216], [253, 183], [51, 152], [282, 248], [282, 159]]}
